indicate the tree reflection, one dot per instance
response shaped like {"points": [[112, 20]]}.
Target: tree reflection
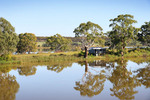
{"points": [[123, 83], [144, 76], [59, 66], [8, 87], [91, 84], [28, 70]]}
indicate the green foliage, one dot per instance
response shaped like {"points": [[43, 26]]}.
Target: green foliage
{"points": [[82, 53], [8, 37], [134, 43], [27, 42], [122, 31], [57, 42], [89, 32], [6, 57], [138, 52], [116, 52], [144, 36]]}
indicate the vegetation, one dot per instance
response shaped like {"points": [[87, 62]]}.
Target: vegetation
{"points": [[90, 33], [122, 31], [8, 38], [144, 36], [86, 35], [58, 43], [27, 43]]}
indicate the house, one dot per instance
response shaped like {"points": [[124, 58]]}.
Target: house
{"points": [[97, 51]]}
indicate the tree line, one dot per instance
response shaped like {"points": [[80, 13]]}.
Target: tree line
{"points": [[89, 34]]}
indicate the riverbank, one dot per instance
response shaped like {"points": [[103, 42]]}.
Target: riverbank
{"points": [[74, 56], [46, 57]]}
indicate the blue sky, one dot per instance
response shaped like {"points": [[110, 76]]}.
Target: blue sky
{"points": [[48, 17]]}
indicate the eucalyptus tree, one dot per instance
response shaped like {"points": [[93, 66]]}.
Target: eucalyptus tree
{"points": [[58, 42], [122, 31], [90, 33], [144, 36], [27, 42], [8, 37]]}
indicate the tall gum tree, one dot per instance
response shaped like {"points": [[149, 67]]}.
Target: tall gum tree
{"points": [[8, 37], [122, 31], [90, 33]]}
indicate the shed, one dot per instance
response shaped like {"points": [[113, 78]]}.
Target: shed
{"points": [[97, 51]]}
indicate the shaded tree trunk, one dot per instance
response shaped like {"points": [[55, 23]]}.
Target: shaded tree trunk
{"points": [[86, 66], [122, 52], [123, 47], [86, 52]]}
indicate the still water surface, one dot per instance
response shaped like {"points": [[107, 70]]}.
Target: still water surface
{"points": [[83, 80]]}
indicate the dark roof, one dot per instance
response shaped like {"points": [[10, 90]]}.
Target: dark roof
{"points": [[96, 48]]}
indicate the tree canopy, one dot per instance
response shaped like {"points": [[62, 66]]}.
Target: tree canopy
{"points": [[58, 43], [90, 33], [27, 42], [122, 31], [144, 36], [8, 37]]}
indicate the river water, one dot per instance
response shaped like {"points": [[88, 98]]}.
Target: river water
{"points": [[82, 80]]}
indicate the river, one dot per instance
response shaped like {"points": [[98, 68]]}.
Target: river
{"points": [[82, 80]]}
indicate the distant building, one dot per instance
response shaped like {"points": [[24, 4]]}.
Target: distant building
{"points": [[97, 51]]}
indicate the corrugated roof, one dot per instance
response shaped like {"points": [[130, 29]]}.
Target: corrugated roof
{"points": [[96, 48]]}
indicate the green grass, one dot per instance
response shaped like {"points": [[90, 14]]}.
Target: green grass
{"points": [[73, 56]]}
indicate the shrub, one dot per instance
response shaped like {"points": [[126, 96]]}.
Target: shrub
{"points": [[5, 57], [82, 53]]}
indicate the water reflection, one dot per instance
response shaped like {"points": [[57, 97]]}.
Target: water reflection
{"points": [[8, 86], [28, 70], [91, 83], [144, 76], [59, 66], [124, 83]]}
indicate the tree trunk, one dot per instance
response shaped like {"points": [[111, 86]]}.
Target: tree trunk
{"points": [[86, 52], [122, 52], [86, 66]]}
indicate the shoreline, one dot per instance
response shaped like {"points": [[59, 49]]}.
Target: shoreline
{"points": [[68, 56]]}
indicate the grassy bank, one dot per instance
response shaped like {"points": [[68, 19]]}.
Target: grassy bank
{"points": [[74, 56], [46, 57]]}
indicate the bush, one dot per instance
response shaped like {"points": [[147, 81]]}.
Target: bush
{"points": [[5, 57], [82, 53]]}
